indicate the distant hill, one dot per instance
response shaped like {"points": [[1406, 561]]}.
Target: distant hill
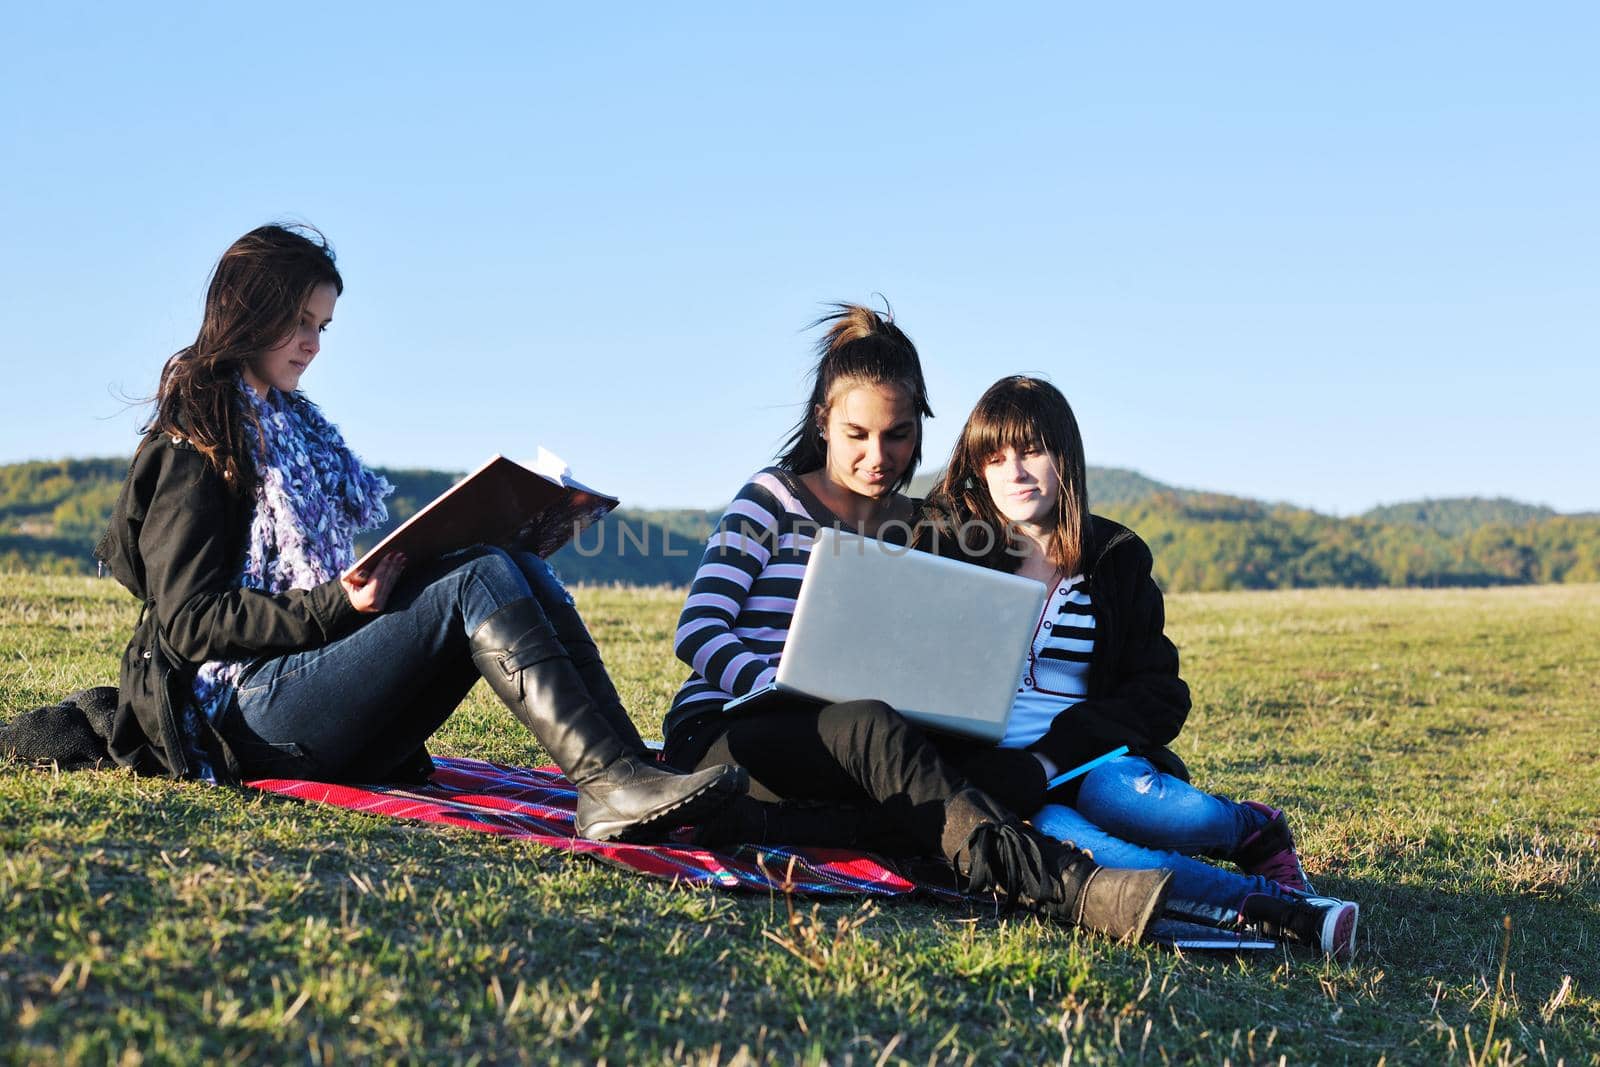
{"points": [[636, 547], [52, 512], [1111, 486], [1453, 516], [1107, 485], [1210, 541]]}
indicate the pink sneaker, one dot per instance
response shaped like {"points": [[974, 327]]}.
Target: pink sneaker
{"points": [[1270, 852]]}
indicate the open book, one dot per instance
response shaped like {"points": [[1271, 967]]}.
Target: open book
{"points": [[501, 503]]}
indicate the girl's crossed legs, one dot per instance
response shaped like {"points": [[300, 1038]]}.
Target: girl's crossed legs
{"points": [[1129, 814]]}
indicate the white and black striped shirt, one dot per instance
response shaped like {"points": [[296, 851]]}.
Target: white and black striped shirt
{"points": [[1056, 674], [737, 615]]}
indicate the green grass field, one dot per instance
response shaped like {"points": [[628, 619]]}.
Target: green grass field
{"points": [[1437, 751]]}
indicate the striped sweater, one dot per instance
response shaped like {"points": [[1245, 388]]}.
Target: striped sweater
{"points": [[737, 615], [1056, 674]]}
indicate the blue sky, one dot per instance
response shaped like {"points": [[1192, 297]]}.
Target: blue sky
{"points": [[1336, 257]]}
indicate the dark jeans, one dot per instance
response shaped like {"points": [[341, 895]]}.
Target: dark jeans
{"points": [[858, 753], [359, 707]]}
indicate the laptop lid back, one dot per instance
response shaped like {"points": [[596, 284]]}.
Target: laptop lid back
{"points": [[940, 641]]}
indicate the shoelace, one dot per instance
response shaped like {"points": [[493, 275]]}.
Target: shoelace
{"points": [[1004, 859], [1284, 868]]}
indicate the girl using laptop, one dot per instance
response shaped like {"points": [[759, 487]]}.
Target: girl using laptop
{"points": [[823, 774], [1102, 674]]}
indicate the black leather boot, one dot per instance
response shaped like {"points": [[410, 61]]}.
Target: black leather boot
{"points": [[624, 794], [574, 635], [1025, 867]]}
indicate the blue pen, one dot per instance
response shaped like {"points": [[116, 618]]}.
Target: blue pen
{"points": [[1084, 768]]}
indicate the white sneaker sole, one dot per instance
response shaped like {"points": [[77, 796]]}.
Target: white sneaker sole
{"points": [[1339, 928]]}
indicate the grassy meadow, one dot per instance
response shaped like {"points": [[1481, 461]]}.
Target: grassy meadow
{"points": [[1437, 750]]}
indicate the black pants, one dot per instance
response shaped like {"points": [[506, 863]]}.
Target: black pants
{"points": [[862, 753]]}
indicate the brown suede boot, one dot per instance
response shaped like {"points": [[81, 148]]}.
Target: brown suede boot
{"points": [[1121, 903]]}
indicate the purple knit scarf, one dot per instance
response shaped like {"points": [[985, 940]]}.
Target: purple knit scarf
{"points": [[312, 497]]}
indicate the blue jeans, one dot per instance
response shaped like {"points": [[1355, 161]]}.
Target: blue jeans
{"points": [[359, 707], [1131, 815]]}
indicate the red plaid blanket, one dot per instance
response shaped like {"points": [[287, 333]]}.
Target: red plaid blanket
{"points": [[537, 804]]}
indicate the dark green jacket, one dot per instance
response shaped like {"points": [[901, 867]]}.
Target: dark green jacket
{"points": [[177, 541]]}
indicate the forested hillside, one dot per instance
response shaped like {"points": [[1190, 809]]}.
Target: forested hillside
{"points": [[1206, 541], [52, 512], [1107, 486], [1460, 515]]}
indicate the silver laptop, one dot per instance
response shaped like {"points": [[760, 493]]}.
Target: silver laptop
{"points": [[940, 641]]}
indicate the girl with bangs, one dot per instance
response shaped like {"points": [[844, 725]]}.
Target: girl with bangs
{"points": [[855, 772], [1101, 674]]}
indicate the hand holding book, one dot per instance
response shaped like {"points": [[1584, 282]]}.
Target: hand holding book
{"points": [[368, 591]]}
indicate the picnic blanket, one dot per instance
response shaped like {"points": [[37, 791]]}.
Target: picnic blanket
{"points": [[537, 804]]}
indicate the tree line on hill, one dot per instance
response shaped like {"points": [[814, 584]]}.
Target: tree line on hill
{"points": [[51, 514], [1205, 541]]}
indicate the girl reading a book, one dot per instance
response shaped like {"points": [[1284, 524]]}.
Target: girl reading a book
{"points": [[826, 775], [253, 657], [1101, 674]]}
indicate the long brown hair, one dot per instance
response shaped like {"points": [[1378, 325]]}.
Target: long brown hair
{"points": [[257, 291], [858, 346], [1019, 413]]}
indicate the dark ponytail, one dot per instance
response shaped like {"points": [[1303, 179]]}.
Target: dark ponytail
{"points": [[859, 346]]}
